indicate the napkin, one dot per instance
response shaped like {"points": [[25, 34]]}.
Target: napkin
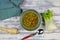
{"points": [[9, 8]]}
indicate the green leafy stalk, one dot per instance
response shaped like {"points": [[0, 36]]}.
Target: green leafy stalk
{"points": [[49, 23]]}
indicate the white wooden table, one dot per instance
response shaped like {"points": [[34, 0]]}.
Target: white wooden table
{"points": [[40, 6]]}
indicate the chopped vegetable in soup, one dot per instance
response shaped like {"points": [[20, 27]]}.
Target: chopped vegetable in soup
{"points": [[30, 20]]}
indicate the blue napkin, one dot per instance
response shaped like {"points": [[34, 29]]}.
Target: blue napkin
{"points": [[9, 8]]}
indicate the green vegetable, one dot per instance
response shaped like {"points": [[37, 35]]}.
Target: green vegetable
{"points": [[48, 20]]}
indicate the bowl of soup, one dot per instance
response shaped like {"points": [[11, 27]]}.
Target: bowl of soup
{"points": [[30, 20]]}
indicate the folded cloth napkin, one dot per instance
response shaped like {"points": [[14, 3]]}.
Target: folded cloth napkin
{"points": [[9, 8]]}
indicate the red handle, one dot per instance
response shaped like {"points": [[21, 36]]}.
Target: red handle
{"points": [[26, 37]]}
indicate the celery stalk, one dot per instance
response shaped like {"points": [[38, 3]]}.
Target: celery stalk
{"points": [[48, 20]]}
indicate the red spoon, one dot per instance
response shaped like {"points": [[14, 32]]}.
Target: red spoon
{"points": [[33, 34]]}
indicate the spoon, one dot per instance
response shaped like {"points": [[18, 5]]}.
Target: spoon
{"points": [[33, 34]]}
